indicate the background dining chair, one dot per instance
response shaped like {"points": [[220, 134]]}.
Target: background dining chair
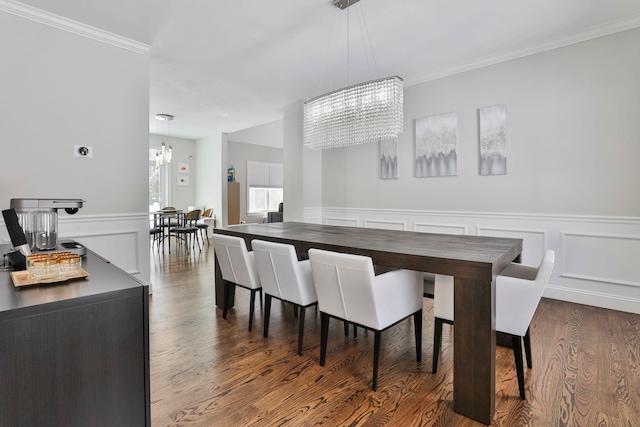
{"points": [[187, 232], [518, 291], [155, 234], [348, 289], [285, 278], [238, 267], [203, 225]]}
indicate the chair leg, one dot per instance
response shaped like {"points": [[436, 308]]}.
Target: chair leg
{"points": [[527, 348], [225, 298], [324, 335], [267, 314], [517, 354], [346, 328], [417, 324], [252, 307], [376, 358], [295, 311], [437, 341], [355, 332], [301, 329]]}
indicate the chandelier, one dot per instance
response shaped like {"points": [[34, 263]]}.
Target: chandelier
{"points": [[357, 114], [164, 155]]}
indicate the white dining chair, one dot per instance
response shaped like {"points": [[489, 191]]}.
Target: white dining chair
{"points": [[349, 290], [285, 278], [238, 267], [518, 292]]}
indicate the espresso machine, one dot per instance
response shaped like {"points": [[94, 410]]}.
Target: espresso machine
{"points": [[38, 219]]}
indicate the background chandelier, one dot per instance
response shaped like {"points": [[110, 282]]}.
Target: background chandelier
{"points": [[165, 154], [358, 114]]}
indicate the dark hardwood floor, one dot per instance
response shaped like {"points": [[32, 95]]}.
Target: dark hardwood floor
{"points": [[209, 371]]}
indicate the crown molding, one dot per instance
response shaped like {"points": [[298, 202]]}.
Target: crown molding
{"points": [[546, 45], [38, 15]]}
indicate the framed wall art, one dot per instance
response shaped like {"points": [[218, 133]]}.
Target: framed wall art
{"points": [[389, 158], [436, 145], [493, 140]]}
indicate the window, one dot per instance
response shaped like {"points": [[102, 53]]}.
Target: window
{"points": [[263, 200], [158, 183], [265, 187]]}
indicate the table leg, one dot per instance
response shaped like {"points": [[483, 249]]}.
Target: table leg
{"points": [[474, 365]]}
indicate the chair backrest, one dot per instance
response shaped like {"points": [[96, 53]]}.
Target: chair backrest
{"points": [[168, 208], [344, 285], [237, 264], [207, 213], [518, 292], [193, 215], [282, 275]]}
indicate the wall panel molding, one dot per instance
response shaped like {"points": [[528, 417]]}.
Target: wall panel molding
{"points": [[617, 252], [385, 224], [426, 227], [341, 221], [122, 239], [595, 262]]}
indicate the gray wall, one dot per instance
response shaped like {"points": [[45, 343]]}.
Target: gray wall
{"points": [[573, 138], [59, 89], [183, 151]]}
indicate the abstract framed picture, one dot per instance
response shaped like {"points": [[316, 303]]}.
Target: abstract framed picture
{"points": [[183, 179], [493, 140], [389, 158], [183, 167], [436, 145]]}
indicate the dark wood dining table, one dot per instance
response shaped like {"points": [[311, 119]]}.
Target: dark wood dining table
{"points": [[474, 261]]}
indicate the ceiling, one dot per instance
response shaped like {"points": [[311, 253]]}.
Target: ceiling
{"points": [[224, 66]]}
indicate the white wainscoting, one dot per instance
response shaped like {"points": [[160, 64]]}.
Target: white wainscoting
{"points": [[122, 239], [595, 256]]}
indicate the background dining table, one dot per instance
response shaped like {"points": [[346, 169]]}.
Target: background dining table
{"points": [[162, 220]]}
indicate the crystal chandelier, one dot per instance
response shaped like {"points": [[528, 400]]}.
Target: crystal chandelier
{"points": [[164, 155], [357, 114]]}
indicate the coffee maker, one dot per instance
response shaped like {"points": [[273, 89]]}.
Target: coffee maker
{"points": [[39, 221]]}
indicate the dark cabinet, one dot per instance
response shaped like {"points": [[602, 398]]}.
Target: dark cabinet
{"points": [[75, 353]]}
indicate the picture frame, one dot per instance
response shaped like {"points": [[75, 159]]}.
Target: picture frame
{"points": [[493, 139], [183, 179], [389, 158], [183, 168], [436, 145]]}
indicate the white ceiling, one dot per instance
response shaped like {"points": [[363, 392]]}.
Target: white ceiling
{"points": [[223, 66]]}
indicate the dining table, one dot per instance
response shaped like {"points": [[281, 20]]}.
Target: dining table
{"points": [[473, 261], [162, 220]]}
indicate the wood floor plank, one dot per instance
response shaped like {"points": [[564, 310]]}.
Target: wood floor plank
{"points": [[209, 371]]}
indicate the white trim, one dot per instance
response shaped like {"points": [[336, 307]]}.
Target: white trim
{"points": [[110, 233], [350, 222], [596, 299], [594, 283], [507, 215], [370, 223], [417, 225], [545, 45], [71, 26], [617, 236]]}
